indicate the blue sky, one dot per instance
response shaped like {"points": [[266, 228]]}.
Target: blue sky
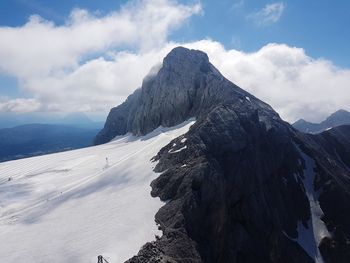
{"points": [[318, 26], [312, 35]]}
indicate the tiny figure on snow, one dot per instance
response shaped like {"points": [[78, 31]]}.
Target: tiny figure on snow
{"points": [[107, 164]]}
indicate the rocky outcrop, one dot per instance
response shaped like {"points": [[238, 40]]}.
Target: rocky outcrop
{"points": [[236, 193], [232, 190], [332, 152], [242, 185], [187, 85]]}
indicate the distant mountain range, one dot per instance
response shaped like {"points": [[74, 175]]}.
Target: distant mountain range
{"points": [[338, 118], [37, 139], [77, 119]]}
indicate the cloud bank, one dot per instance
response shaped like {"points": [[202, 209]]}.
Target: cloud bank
{"points": [[294, 84], [80, 63], [91, 63], [20, 105]]}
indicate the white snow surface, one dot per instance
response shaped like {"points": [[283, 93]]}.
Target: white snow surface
{"points": [[309, 237], [73, 206]]}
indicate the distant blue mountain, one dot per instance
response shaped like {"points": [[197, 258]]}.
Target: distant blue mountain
{"points": [[77, 119], [340, 117], [37, 139], [80, 119]]}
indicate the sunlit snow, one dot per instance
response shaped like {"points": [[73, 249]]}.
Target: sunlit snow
{"points": [[76, 205]]}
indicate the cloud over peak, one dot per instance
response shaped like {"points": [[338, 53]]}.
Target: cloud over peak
{"points": [[293, 83], [92, 62], [79, 57]]}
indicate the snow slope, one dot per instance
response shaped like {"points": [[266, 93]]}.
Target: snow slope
{"points": [[310, 237], [76, 205]]}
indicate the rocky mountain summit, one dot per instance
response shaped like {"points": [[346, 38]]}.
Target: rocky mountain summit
{"points": [[186, 86], [242, 185], [340, 117]]}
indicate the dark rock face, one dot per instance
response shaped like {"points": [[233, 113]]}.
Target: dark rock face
{"points": [[235, 194], [338, 118], [119, 119], [237, 197], [239, 191], [187, 85], [334, 198], [234, 200]]}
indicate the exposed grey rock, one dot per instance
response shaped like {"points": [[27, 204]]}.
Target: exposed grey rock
{"points": [[187, 85], [236, 193], [119, 119], [240, 195], [338, 118], [333, 155], [237, 197]]}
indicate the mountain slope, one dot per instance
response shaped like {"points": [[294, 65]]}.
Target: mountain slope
{"points": [[37, 139], [242, 185], [73, 206], [338, 118]]}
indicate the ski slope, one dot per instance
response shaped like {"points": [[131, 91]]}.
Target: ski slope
{"points": [[73, 206]]}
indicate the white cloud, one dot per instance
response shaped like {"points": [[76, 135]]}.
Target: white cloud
{"points": [[60, 64], [294, 84], [20, 105], [270, 14], [98, 84], [51, 63]]}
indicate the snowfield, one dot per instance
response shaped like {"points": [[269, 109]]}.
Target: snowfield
{"points": [[73, 206]]}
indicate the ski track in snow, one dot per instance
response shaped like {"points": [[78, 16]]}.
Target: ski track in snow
{"points": [[73, 206], [309, 238]]}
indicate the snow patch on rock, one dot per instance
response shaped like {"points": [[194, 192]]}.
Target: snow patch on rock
{"points": [[310, 236], [179, 150]]}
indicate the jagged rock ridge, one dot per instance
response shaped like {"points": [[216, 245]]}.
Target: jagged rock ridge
{"points": [[242, 185]]}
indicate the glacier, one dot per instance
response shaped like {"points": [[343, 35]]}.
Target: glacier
{"points": [[76, 205]]}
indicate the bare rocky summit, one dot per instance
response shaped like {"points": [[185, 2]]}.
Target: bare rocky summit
{"points": [[187, 85]]}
